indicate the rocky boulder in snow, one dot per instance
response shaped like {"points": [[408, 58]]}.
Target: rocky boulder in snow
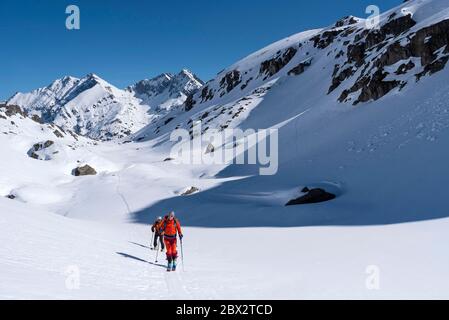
{"points": [[312, 196], [84, 171], [190, 191], [41, 151], [210, 148]]}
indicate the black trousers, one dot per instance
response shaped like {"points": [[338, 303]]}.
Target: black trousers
{"points": [[161, 240]]}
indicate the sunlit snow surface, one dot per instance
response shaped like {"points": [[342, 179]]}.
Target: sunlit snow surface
{"points": [[387, 161]]}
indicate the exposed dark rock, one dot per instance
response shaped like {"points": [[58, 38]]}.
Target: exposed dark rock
{"points": [[398, 26], [210, 148], [377, 88], [424, 44], [312, 196], [37, 119], [206, 94], [11, 196], [189, 103], [393, 54], [433, 67], [323, 40], [342, 76], [190, 191], [58, 134], [231, 80], [300, 68], [428, 40], [356, 54], [274, 65], [404, 68], [11, 110], [168, 159], [168, 120], [346, 21], [84, 171], [33, 152]]}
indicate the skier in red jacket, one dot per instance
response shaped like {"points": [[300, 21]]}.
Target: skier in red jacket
{"points": [[170, 229]]}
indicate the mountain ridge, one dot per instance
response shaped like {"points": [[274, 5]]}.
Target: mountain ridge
{"points": [[93, 107]]}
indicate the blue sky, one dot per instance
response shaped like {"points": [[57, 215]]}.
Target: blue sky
{"points": [[125, 41]]}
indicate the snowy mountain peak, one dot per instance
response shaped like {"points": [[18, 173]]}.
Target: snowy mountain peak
{"points": [[166, 90], [93, 107]]}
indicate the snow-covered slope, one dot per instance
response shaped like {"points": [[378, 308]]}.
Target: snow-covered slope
{"points": [[94, 108], [378, 141], [46, 256], [348, 63], [89, 106]]}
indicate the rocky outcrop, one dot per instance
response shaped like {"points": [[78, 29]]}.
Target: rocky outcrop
{"points": [[190, 191], [346, 21], [38, 151], [190, 102], [404, 68], [342, 76], [372, 88], [312, 196], [206, 94], [272, 66], [58, 134], [325, 39], [231, 80], [11, 110], [300, 68], [84, 171], [377, 88], [427, 44], [210, 148]]}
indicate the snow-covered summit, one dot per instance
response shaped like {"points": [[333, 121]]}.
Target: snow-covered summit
{"points": [[166, 90], [93, 107]]}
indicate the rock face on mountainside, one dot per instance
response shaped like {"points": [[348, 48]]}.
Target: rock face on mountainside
{"points": [[166, 90], [14, 121], [351, 63], [11, 110], [356, 62], [94, 108], [428, 46]]}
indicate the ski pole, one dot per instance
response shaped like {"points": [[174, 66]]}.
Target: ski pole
{"points": [[157, 252], [152, 241], [182, 257]]}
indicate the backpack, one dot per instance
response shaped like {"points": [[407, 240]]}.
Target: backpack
{"points": [[166, 220]]}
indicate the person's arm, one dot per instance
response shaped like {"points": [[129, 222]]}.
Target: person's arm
{"points": [[162, 229], [178, 226]]}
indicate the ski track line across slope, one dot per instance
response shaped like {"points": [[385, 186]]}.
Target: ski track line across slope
{"points": [[121, 195]]}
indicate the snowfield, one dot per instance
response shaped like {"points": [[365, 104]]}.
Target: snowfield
{"points": [[45, 251], [385, 159]]}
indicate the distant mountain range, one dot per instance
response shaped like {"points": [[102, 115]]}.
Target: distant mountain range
{"points": [[346, 64], [95, 108]]}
